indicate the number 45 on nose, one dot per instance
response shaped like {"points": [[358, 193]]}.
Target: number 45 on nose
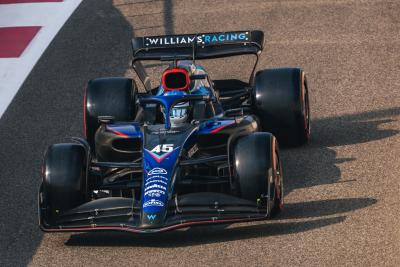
{"points": [[163, 148]]}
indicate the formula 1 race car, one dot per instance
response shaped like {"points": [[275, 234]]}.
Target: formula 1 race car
{"points": [[188, 151]]}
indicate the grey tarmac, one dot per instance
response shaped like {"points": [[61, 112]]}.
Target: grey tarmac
{"points": [[342, 191]]}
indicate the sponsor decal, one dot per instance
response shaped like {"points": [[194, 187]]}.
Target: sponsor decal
{"points": [[156, 186], [157, 171], [223, 37], [156, 181], [153, 202], [193, 150], [164, 131], [171, 40], [156, 177], [154, 193], [202, 39], [151, 217]]}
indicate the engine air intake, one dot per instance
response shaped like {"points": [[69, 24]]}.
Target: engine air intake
{"points": [[176, 79]]}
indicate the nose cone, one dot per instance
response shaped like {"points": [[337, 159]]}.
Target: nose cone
{"points": [[152, 220], [158, 166]]}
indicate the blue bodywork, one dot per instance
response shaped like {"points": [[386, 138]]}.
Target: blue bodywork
{"points": [[159, 162], [160, 157]]}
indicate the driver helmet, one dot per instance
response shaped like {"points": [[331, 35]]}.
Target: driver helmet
{"points": [[180, 112]]}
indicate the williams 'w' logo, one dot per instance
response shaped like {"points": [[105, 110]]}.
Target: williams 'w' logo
{"points": [[151, 217]]}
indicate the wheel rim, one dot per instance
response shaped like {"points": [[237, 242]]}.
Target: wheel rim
{"points": [[279, 182]]}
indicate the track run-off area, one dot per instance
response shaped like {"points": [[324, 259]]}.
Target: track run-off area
{"points": [[342, 191]]}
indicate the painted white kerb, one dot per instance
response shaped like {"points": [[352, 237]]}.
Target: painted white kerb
{"points": [[51, 17]]}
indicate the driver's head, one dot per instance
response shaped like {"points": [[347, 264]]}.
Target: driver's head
{"points": [[180, 112]]}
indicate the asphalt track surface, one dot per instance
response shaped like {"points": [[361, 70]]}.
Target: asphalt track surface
{"points": [[342, 190]]}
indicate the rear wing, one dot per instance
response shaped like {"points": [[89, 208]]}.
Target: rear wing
{"points": [[194, 46], [199, 46]]}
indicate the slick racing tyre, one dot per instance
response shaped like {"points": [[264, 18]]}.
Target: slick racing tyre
{"points": [[281, 102], [64, 179], [113, 97], [258, 171]]}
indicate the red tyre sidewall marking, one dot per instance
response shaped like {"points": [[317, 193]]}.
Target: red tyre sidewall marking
{"points": [[303, 98], [275, 170]]}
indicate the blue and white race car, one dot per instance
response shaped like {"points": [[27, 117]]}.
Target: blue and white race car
{"points": [[189, 151]]}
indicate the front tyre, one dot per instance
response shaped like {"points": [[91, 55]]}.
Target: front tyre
{"points": [[258, 171], [277, 198], [64, 183]]}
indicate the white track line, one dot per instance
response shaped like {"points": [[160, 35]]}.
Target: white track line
{"points": [[51, 16]]}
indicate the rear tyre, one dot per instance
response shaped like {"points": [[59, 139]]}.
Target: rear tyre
{"points": [[258, 171], [64, 182], [114, 97], [281, 102]]}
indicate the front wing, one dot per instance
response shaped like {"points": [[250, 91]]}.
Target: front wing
{"points": [[122, 214]]}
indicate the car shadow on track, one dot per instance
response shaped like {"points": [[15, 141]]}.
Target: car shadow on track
{"points": [[307, 166], [316, 163]]}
